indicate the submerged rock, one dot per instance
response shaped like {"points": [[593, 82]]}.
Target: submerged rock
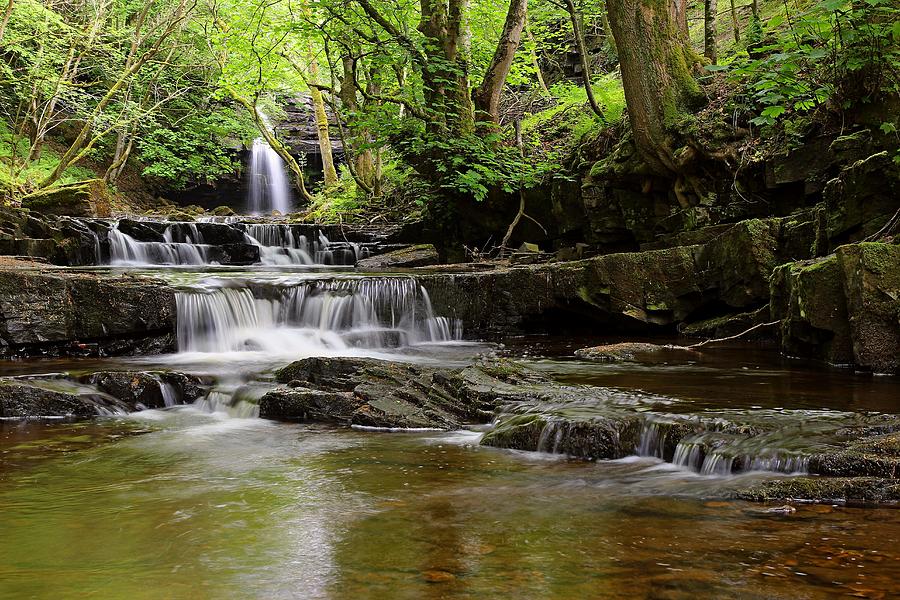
{"points": [[625, 351]]}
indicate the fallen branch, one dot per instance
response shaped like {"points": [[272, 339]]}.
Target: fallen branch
{"points": [[888, 228], [733, 337]]}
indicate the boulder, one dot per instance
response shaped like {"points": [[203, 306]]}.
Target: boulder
{"points": [[844, 308], [412, 256], [148, 389], [82, 199], [21, 398], [862, 198], [808, 298], [871, 279], [376, 393]]}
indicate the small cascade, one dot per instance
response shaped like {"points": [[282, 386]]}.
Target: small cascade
{"points": [[336, 314], [269, 189], [653, 440], [278, 245], [551, 436], [237, 403], [717, 453], [178, 247]]}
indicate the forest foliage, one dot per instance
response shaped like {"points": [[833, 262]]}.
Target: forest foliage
{"points": [[465, 98]]}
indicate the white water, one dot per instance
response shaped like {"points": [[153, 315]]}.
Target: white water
{"points": [[312, 317], [125, 250], [278, 245], [269, 188], [182, 243]]}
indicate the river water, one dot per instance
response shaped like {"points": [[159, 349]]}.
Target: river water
{"points": [[191, 502]]}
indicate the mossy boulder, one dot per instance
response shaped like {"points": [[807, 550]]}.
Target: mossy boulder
{"points": [[808, 297], [862, 198], [871, 278], [83, 199], [377, 393], [844, 308]]}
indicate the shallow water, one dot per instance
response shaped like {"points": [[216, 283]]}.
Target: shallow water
{"points": [[203, 506], [182, 503]]}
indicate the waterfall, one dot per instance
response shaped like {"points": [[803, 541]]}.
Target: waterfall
{"points": [[269, 189], [182, 243], [279, 246], [312, 316], [176, 248]]}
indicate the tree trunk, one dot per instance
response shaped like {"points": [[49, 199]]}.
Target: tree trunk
{"points": [[534, 61], [734, 23], [656, 63], [709, 30], [328, 169], [445, 26], [6, 14], [487, 95], [581, 48], [681, 20]]}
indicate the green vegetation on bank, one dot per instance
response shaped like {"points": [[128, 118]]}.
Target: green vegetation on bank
{"points": [[431, 104]]}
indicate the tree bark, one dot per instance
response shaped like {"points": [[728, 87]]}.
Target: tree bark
{"points": [[681, 11], [656, 63], [535, 63], [6, 14], [581, 48], [330, 173], [487, 95], [709, 30], [735, 24], [445, 26]]}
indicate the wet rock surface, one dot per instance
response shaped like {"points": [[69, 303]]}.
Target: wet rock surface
{"points": [[83, 313], [844, 308], [413, 256], [101, 393], [626, 351], [374, 393]]}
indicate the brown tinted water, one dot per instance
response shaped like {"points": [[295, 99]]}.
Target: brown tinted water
{"points": [[180, 504]]}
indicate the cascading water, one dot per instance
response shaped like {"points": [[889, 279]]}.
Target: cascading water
{"points": [[311, 317], [182, 243], [176, 248], [269, 189], [278, 245]]}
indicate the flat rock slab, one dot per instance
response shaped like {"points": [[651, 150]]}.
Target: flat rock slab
{"points": [[374, 393]]}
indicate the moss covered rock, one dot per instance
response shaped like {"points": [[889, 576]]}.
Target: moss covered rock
{"points": [[844, 308], [83, 199]]}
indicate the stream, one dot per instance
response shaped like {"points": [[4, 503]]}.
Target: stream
{"points": [[209, 501]]}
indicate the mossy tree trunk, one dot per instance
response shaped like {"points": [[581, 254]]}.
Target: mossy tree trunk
{"points": [[444, 23], [329, 172], [734, 23], [709, 30], [487, 95], [581, 48], [656, 63]]}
